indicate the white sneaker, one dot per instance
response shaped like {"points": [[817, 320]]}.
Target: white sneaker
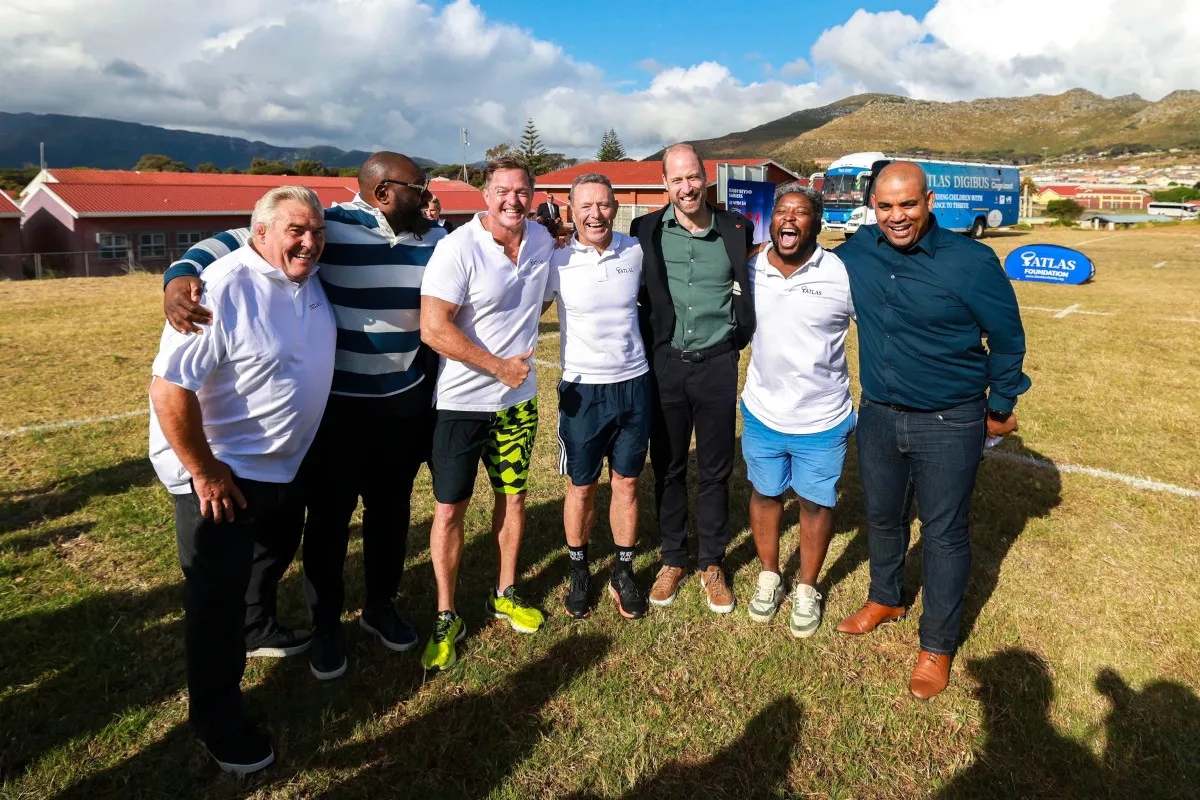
{"points": [[806, 611], [767, 596]]}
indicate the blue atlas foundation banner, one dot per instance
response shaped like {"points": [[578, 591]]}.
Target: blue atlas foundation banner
{"points": [[755, 199], [1049, 263]]}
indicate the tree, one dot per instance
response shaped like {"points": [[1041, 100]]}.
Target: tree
{"points": [[801, 166], [611, 148], [232, 171], [1179, 194], [530, 149], [348, 172], [158, 163], [499, 151], [306, 166], [261, 166], [208, 168], [1065, 210]]}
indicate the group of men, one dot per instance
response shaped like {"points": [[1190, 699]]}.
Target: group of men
{"points": [[279, 401]]}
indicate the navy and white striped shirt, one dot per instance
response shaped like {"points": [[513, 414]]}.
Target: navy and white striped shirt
{"points": [[373, 280]]}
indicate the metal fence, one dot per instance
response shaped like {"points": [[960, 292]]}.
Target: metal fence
{"points": [[98, 262]]}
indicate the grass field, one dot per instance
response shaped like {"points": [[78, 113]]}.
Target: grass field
{"points": [[1078, 676]]}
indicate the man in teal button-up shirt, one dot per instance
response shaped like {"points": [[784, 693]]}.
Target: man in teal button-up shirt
{"points": [[931, 391]]}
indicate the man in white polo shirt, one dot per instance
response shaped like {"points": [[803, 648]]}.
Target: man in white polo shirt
{"points": [[233, 411], [481, 301], [796, 405], [604, 396]]}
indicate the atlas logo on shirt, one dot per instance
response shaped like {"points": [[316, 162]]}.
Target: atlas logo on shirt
{"points": [[809, 290]]}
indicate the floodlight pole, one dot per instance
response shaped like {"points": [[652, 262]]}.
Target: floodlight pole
{"points": [[465, 144]]}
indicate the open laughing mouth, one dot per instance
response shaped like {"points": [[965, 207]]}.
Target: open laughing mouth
{"points": [[789, 237]]}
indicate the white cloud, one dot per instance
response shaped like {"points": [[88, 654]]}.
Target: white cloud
{"points": [[963, 49], [795, 69], [406, 75]]}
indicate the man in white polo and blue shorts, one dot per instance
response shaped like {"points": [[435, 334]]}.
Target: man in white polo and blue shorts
{"points": [[796, 405], [604, 396]]}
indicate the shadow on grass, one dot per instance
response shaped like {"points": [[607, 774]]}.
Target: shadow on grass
{"points": [[24, 507], [756, 765], [1152, 741], [1008, 494]]}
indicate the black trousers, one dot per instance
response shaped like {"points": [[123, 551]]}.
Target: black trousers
{"points": [[370, 448], [220, 563], [699, 397]]}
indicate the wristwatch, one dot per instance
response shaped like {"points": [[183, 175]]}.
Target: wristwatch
{"points": [[999, 416]]}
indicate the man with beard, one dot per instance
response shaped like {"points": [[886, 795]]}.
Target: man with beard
{"points": [[697, 316], [796, 403], [931, 392], [375, 431], [482, 296]]}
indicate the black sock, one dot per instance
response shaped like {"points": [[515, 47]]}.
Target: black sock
{"points": [[579, 556], [624, 561]]}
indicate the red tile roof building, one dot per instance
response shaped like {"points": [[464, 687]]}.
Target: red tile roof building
{"points": [[104, 222], [1095, 197], [10, 236]]}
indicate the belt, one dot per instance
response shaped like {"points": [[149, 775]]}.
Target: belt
{"points": [[898, 407], [700, 356]]}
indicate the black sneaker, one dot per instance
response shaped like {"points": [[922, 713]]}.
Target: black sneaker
{"points": [[578, 596], [242, 751], [391, 628], [327, 659], [280, 642], [631, 603]]}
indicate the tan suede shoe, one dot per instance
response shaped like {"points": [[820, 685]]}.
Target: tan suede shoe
{"points": [[870, 617], [930, 676]]}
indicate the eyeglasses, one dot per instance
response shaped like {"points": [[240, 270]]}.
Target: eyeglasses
{"points": [[419, 188]]}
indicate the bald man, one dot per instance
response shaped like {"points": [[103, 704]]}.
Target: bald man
{"points": [[926, 299], [377, 424], [698, 315]]}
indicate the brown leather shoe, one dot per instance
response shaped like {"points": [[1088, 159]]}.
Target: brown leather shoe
{"points": [[870, 617], [930, 676], [666, 585], [716, 590]]}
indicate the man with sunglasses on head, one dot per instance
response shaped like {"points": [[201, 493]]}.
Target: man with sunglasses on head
{"points": [[377, 425]]}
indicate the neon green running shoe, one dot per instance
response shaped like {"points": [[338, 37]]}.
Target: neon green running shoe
{"points": [[520, 615], [440, 653]]}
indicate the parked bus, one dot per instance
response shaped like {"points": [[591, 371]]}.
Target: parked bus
{"points": [[1189, 209], [968, 197]]}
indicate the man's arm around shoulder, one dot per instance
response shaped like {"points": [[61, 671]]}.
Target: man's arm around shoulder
{"points": [[181, 281]]}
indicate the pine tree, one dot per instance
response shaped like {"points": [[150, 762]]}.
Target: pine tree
{"points": [[530, 149], [611, 148]]}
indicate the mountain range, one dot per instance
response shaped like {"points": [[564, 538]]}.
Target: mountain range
{"points": [[109, 144], [1018, 129]]}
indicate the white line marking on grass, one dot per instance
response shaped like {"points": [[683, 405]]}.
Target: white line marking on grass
{"points": [[1129, 480], [1067, 310], [1183, 319], [1159, 265], [1092, 241], [72, 423], [1039, 308], [1098, 313]]}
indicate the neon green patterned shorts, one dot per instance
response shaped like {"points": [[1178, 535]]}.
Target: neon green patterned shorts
{"points": [[503, 440]]}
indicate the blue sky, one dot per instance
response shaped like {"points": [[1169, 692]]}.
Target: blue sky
{"points": [[745, 37], [408, 74]]}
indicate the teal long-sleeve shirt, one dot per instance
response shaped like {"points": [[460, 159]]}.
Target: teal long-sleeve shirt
{"points": [[923, 315]]}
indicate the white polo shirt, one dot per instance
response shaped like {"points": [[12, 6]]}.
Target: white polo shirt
{"points": [[599, 339], [797, 381], [499, 306], [262, 370]]}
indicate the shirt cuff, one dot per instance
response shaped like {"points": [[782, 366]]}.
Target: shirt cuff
{"points": [[178, 270], [1001, 403]]}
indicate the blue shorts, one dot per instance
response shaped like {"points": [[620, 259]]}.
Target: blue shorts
{"points": [[810, 463], [603, 420]]}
